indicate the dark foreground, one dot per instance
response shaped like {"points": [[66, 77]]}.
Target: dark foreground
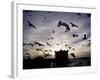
{"points": [[61, 60], [40, 62]]}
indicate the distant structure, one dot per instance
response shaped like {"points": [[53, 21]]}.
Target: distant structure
{"points": [[61, 58]]}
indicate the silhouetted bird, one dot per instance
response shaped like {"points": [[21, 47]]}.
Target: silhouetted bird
{"points": [[46, 54], [48, 44], [50, 50], [69, 47], [30, 44], [75, 35], [66, 45], [29, 14], [24, 44], [79, 14], [47, 50], [27, 54], [88, 15], [57, 44], [64, 24], [73, 25], [84, 37], [52, 37], [39, 44], [38, 49], [49, 12], [72, 54], [31, 25], [53, 31], [45, 18], [73, 48]]}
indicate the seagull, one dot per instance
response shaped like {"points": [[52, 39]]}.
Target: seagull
{"points": [[45, 18], [48, 44], [57, 44], [79, 14], [88, 15], [73, 48], [30, 44], [28, 54], [66, 45], [29, 14], [60, 23], [73, 25], [46, 54], [39, 44], [24, 44], [84, 37], [47, 50], [72, 54], [75, 35], [31, 25], [69, 47], [38, 49], [53, 31]]}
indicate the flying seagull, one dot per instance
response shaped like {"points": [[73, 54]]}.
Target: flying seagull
{"points": [[60, 23], [24, 44], [39, 44], [85, 37], [53, 31], [69, 47], [73, 25], [88, 15], [46, 54], [72, 54], [38, 49], [31, 25], [29, 14], [30, 44], [45, 18], [79, 14], [28, 55], [75, 35], [47, 50], [73, 48], [48, 44], [57, 44], [66, 45]]}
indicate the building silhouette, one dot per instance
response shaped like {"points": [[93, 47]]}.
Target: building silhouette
{"points": [[61, 58]]}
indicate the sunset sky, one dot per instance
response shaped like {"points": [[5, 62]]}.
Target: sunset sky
{"points": [[47, 31]]}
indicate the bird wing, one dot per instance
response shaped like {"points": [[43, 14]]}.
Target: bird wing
{"points": [[30, 24], [48, 44]]}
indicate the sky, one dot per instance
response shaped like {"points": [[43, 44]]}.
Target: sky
{"points": [[47, 31]]}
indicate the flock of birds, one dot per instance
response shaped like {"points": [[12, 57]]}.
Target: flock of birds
{"points": [[60, 24]]}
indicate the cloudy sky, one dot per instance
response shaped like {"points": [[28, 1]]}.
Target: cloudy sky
{"points": [[47, 31]]}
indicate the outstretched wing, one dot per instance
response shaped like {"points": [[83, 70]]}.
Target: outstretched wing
{"points": [[40, 44], [31, 25], [73, 25], [72, 54], [48, 44]]}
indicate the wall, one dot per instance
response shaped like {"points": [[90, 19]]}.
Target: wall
{"points": [[5, 38]]}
